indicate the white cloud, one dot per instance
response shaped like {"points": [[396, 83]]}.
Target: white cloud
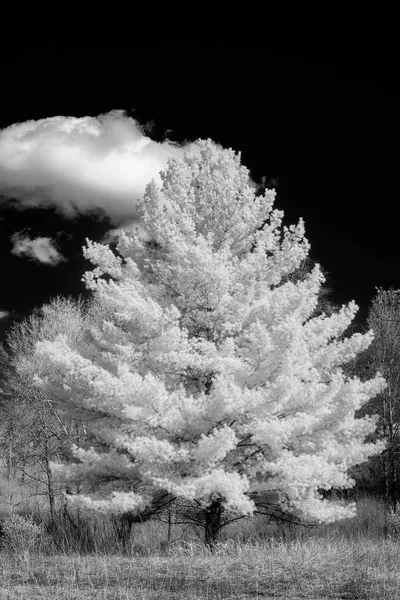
{"points": [[4, 314], [40, 249], [80, 164]]}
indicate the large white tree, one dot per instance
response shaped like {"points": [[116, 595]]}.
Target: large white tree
{"points": [[208, 378]]}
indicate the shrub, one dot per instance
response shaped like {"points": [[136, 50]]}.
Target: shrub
{"points": [[21, 534], [393, 521]]}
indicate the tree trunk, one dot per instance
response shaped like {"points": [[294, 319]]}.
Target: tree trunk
{"points": [[392, 458], [386, 474], [385, 452], [50, 488], [213, 523], [169, 526], [393, 479], [47, 458]]}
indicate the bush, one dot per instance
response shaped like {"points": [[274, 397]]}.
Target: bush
{"points": [[21, 534], [393, 520]]}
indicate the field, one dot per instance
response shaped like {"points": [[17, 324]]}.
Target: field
{"points": [[355, 559]]}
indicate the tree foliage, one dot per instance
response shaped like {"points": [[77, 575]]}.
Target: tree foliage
{"points": [[209, 376]]}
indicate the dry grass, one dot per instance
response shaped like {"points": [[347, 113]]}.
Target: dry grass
{"points": [[314, 568], [352, 559]]}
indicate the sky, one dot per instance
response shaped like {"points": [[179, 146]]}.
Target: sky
{"points": [[81, 133]]}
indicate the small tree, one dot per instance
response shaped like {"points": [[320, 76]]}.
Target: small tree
{"points": [[34, 431], [210, 380]]}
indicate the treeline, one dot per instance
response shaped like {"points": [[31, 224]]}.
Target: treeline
{"points": [[380, 474]]}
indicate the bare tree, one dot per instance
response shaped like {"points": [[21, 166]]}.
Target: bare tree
{"points": [[384, 355], [33, 430]]}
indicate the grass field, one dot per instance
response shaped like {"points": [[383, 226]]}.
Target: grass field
{"points": [[351, 559]]}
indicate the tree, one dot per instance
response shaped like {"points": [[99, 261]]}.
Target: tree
{"points": [[384, 354], [325, 305], [34, 432], [210, 380]]}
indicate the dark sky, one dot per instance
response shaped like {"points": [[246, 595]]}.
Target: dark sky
{"points": [[326, 130]]}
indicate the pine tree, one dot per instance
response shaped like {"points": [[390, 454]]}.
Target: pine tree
{"points": [[209, 378]]}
